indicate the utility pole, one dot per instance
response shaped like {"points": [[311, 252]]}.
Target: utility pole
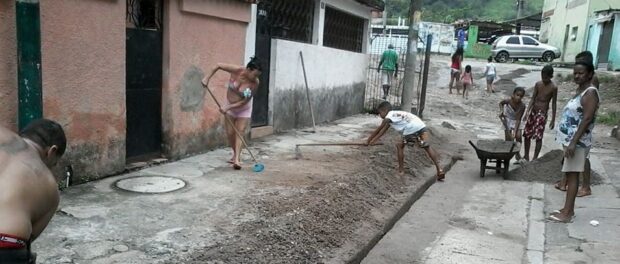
{"points": [[28, 25], [415, 8], [520, 4]]}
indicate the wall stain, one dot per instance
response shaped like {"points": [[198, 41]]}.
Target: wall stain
{"points": [[192, 92]]}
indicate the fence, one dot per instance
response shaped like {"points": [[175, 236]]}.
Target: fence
{"points": [[374, 89]]}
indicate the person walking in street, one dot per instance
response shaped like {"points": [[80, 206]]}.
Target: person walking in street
{"points": [[240, 89], [574, 133], [490, 73], [29, 196], [455, 69], [467, 80], [388, 66], [545, 92]]}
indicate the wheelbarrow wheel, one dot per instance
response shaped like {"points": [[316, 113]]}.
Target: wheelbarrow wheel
{"points": [[483, 165]]}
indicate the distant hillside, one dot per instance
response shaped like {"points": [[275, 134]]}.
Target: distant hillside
{"points": [[447, 11]]}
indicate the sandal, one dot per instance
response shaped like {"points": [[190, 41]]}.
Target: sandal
{"points": [[236, 166], [555, 218]]}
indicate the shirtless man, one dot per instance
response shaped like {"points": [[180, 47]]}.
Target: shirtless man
{"points": [[29, 195], [545, 91]]}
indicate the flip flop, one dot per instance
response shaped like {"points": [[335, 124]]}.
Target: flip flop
{"points": [[236, 166], [556, 212], [554, 218]]}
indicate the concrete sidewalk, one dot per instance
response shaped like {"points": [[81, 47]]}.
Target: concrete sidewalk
{"points": [[579, 241]]}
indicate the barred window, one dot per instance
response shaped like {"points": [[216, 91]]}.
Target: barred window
{"points": [[144, 14], [343, 30], [292, 20]]}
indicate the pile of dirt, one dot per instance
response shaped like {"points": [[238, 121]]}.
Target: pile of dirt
{"points": [[314, 223], [546, 169]]}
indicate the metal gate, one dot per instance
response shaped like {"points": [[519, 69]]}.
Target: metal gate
{"points": [[374, 89], [143, 78], [260, 106]]}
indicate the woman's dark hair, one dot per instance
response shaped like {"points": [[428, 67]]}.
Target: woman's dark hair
{"points": [[254, 64], [46, 133], [467, 69], [585, 56], [458, 52]]}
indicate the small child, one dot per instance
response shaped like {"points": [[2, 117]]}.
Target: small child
{"points": [[511, 113], [490, 72], [467, 80], [413, 131]]}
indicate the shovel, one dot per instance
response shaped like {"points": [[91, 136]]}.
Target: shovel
{"points": [[258, 167]]}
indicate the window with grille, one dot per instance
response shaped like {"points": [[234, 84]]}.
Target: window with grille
{"points": [[144, 14], [343, 30], [292, 20]]}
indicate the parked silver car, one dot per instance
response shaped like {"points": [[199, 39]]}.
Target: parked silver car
{"points": [[522, 47]]}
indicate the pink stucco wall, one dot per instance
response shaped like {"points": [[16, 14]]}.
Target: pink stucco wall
{"points": [[8, 68], [193, 44], [83, 58]]}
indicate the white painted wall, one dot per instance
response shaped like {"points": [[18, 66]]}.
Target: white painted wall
{"points": [[250, 36], [325, 67]]}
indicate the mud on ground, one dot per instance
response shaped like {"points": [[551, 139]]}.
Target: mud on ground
{"points": [[340, 201]]}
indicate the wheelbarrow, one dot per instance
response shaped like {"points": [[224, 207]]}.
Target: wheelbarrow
{"points": [[495, 151]]}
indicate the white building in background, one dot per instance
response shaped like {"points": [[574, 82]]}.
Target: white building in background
{"points": [[443, 37]]}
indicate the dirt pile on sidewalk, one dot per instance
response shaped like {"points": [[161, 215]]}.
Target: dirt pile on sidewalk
{"points": [[546, 169], [337, 201]]}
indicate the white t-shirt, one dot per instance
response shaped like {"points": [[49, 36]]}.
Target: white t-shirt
{"points": [[405, 122], [490, 68]]}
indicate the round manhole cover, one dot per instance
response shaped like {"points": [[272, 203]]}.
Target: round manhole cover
{"points": [[150, 184]]}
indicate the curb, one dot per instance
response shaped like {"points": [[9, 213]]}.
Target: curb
{"points": [[363, 252], [535, 249]]}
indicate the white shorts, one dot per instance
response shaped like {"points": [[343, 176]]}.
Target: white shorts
{"points": [[577, 162], [386, 77]]}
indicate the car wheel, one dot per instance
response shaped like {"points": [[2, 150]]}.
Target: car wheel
{"points": [[502, 57], [548, 56]]}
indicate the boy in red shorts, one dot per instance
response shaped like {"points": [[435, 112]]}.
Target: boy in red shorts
{"points": [[545, 91]]}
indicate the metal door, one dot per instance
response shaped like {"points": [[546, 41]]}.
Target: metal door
{"points": [[260, 107], [143, 78]]}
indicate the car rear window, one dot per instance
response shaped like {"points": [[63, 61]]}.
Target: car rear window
{"points": [[529, 41], [513, 40]]}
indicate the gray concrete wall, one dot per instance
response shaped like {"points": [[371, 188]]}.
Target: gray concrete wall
{"points": [[291, 109]]}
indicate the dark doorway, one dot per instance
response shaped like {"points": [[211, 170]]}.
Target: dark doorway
{"points": [[604, 44], [260, 107], [143, 78]]}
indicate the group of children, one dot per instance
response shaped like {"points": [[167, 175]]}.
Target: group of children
{"points": [[530, 121], [515, 116], [466, 78]]}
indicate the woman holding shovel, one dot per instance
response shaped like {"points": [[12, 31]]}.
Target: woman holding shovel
{"points": [[240, 88]]}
